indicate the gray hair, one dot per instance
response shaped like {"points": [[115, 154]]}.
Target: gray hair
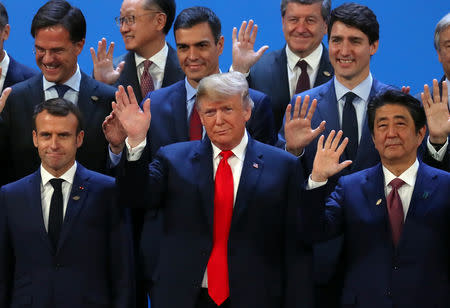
{"points": [[443, 24], [326, 6], [223, 86]]}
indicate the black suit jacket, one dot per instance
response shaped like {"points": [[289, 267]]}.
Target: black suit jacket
{"points": [[16, 73], [172, 71], [269, 75], [19, 157]]}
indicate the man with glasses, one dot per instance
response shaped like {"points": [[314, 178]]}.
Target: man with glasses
{"points": [[59, 30], [150, 62]]}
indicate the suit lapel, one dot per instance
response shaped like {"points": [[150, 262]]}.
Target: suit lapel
{"points": [[172, 71], [327, 107], [178, 104], [129, 75], [325, 71], [36, 88], [280, 74], [86, 97]]}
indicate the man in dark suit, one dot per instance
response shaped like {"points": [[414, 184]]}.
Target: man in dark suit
{"points": [[227, 236], [64, 241], [59, 31], [442, 45], [144, 25], [394, 216], [11, 71], [279, 73]]}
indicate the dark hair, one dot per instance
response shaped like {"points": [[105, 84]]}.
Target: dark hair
{"points": [[60, 12], [59, 107], [3, 16], [193, 16], [325, 10], [396, 97], [358, 16], [168, 7]]}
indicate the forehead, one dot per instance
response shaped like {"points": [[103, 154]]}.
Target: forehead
{"points": [[341, 29], [131, 6], [48, 122], [197, 33], [392, 110], [300, 10], [444, 36], [52, 36], [218, 102]]}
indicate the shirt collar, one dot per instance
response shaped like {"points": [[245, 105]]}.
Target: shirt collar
{"points": [[238, 151], [73, 82], [68, 176], [159, 58], [313, 59], [408, 176], [190, 90], [4, 64], [362, 90]]}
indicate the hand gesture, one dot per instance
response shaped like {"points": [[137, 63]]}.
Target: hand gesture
{"points": [[114, 133], [297, 127], [4, 96], [406, 89], [103, 63], [135, 121], [326, 162], [436, 110], [244, 55]]}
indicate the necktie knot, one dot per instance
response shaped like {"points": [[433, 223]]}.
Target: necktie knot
{"points": [[396, 183], [61, 89], [147, 64], [56, 183], [226, 154], [349, 97], [302, 64]]}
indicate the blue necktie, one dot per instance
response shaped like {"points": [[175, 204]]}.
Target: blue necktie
{"points": [[55, 217], [350, 126], [61, 89]]}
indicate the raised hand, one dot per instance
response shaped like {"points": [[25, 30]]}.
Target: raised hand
{"points": [[406, 89], [114, 133], [436, 110], [297, 126], [4, 96], [244, 55], [103, 63], [134, 120], [326, 162]]}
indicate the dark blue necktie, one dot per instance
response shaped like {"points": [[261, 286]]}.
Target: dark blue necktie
{"points": [[61, 89], [55, 217], [350, 126]]}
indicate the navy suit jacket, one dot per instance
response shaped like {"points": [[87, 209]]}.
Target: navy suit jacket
{"points": [[269, 75], [172, 72], [18, 155], [268, 266], [16, 73], [92, 265], [414, 274]]}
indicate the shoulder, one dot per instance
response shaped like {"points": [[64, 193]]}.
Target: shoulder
{"points": [[124, 57], [19, 185], [317, 91], [21, 87], [271, 153], [100, 87], [97, 179], [24, 70], [435, 173], [378, 86], [256, 95], [168, 91]]}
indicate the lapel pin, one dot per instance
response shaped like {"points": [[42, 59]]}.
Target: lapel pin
{"points": [[425, 195], [81, 188], [378, 202], [255, 165], [327, 73], [94, 98], [76, 198]]}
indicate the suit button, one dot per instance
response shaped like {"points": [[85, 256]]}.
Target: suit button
{"points": [[57, 266], [396, 267], [388, 293]]}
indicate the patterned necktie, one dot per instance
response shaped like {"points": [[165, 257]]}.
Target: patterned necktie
{"points": [[350, 126], [195, 125], [61, 89], [303, 79], [395, 210], [146, 79], [55, 217], [218, 284]]}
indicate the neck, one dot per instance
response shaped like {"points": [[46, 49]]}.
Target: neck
{"points": [[397, 168], [2, 55], [152, 48], [351, 83]]}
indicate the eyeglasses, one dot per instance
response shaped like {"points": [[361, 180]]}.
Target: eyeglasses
{"points": [[130, 20]]}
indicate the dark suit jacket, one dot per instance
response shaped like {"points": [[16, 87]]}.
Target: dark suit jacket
{"points": [[417, 272], [172, 71], [269, 75], [268, 266], [17, 152], [92, 266], [16, 73]]}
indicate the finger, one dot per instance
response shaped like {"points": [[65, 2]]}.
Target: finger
{"points": [[4, 97], [131, 95], [261, 51], [241, 31], [343, 165], [406, 89], [234, 35], [298, 102], [312, 109], [287, 115], [248, 31], [304, 107], [146, 106], [342, 146], [426, 99], [252, 38], [329, 139], [336, 141], [110, 52], [93, 55], [320, 143], [444, 92], [101, 52], [436, 94], [319, 129], [120, 67]]}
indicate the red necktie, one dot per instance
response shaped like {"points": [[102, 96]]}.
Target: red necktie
{"points": [[303, 79], [395, 210], [218, 286], [146, 79], [195, 126]]}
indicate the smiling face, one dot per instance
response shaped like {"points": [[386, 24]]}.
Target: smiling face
{"points": [[197, 52], [56, 54], [444, 51], [303, 27], [395, 137], [350, 53], [224, 120], [57, 141]]}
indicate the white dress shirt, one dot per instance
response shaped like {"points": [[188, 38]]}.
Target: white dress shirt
{"points": [[47, 190], [71, 95], [313, 60], [156, 70], [4, 64]]}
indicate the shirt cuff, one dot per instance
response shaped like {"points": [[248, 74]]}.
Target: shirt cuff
{"points": [[313, 184], [437, 155], [245, 74], [114, 158], [133, 154]]}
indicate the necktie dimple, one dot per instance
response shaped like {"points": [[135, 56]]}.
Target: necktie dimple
{"points": [[218, 283], [146, 79], [303, 79], [55, 218], [395, 210], [350, 125], [195, 126], [61, 89]]}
